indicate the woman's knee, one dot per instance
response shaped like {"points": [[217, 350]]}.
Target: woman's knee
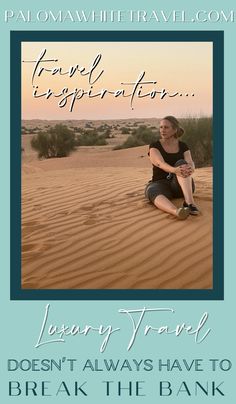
{"points": [[180, 162], [150, 192]]}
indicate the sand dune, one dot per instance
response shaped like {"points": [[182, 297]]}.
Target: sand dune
{"points": [[86, 224]]}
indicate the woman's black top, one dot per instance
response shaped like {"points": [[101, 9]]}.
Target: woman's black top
{"points": [[169, 158]]}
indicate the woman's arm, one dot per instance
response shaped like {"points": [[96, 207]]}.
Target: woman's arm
{"points": [[189, 160], [158, 161]]}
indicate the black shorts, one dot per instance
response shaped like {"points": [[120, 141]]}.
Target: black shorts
{"points": [[170, 188]]}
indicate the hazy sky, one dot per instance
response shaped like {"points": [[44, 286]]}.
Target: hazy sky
{"points": [[176, 67]]}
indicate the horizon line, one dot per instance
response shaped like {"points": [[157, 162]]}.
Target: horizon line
{"points": [[114, 119]]}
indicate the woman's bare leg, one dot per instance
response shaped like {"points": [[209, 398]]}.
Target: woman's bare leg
{"points": [[186, 186], [163, 203]]}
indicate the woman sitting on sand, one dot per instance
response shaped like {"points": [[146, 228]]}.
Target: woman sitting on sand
{"points": [[172, 169]]}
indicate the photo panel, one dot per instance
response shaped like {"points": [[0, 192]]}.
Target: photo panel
{"points": [[84, 108]]}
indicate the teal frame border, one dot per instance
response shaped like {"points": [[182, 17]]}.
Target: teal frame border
{"points": [[217, 292]]}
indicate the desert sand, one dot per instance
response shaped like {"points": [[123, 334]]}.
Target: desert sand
{"points": [[87, 225]]}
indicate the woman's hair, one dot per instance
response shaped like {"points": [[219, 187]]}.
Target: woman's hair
{"points": [[175, 125]]}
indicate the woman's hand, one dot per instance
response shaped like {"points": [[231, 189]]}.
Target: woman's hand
{"points": [[185, 170]]}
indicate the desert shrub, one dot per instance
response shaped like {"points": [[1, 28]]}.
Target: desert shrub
{"points": [[131, 141], [91, 138], [104, 130], [88, 125], [198, 136], [107, 133], [25, 131], [34, 130], [140, 136], [78, 129], [101, 141], [58, 141], [144, 134], [103, 127], [125, 130]]}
